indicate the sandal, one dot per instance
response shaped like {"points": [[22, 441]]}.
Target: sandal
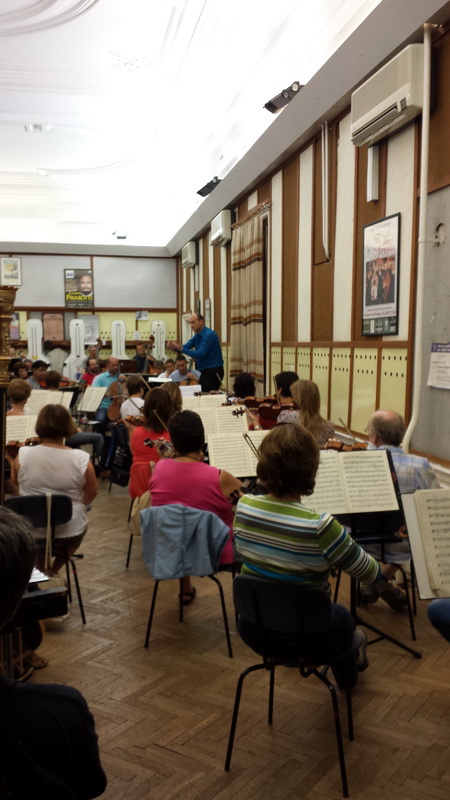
{"points": [[188, 596]]}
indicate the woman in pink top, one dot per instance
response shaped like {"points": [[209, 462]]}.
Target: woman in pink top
{"points": [[157, 410], [186, 479]]}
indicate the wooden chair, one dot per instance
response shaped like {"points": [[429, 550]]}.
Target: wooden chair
{"points": [[139, 479]]}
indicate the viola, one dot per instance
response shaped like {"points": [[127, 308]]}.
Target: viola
{"points": [[270, 409], [340, 447], [164, 448], [117, 394]]}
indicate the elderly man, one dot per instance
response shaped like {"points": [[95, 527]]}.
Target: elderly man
{"points": [[386, 431], [204, 348], [48, 744]]}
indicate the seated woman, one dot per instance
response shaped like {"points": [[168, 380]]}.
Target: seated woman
{"points": [[306, 396], [132, 406], [186, 479], [174, 392], [21, 370], [19, 392], [53, 467], [157, 410], [279, 538], [243, 386], [95, 440]]}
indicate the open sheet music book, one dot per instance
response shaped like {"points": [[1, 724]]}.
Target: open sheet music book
{"points": [[353, 483], [19, 429], [230, 451], [43, 397], [427, 514], [92, 398], [193, 403], [222, 420]]}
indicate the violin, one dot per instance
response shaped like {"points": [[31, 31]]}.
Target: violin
{"points": [[164, 448], [133, 422], [117, 394], [340, 447], [12, 448], [270, 409]]}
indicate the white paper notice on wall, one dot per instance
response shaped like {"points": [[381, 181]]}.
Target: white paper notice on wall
{"points": [[439, 372]]}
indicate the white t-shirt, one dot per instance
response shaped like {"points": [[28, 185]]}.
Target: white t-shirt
{"points": [[50, 469], [131, 407]]}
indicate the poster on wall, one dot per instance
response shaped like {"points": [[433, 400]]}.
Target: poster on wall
{"points": [[78, 288], [381, 251], [10, 272]]}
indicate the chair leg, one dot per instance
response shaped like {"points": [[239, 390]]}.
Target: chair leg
{"points": [[234, 718], [77, 587], [131, 508], [413, 587], [224, 612], [337, 723], [150, 616], [69, 586], [180, 601], [408, 602], [130, 544], [271, 694]]}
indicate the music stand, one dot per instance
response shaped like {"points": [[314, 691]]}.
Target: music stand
{"points": [[377, 527]]}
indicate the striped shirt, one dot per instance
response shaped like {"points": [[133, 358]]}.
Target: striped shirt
{"points": [[286, 541]]}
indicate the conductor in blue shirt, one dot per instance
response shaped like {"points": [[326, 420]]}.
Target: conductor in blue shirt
{"points": [[204, 348]]}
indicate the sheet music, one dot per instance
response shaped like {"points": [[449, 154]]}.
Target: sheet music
{"points": [[356, 482], [329, 493], [433, 513], [19, 429], [190, 403], [209, 419], [417, 548], [189, 391], [214, 400], [230, 451], [368, 479], [228, 422], [92, 398]]}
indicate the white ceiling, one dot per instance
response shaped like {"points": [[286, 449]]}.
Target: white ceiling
{"points": [[142, 102]]}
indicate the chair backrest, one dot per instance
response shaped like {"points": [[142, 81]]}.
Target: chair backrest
{"points": [[34, 508], [179, 541], [280, 606], [139, 478]]}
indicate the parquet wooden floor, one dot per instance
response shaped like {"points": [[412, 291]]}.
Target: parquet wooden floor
{"points": [[163, 714]]}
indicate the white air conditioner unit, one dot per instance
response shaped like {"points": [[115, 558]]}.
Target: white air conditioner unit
{"points": [[221, 228], [189, 255], [389, 99]]}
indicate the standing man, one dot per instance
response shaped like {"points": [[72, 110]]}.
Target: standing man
{"points": [[204, 348], [386, 431]]}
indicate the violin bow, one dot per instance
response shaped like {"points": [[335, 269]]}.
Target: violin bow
{"points": [[347, 430], [251, 444]]}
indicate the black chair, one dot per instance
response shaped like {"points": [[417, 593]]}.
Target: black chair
{"points": [[34, 508], [121, 459], [166, 560], [273, 618]]}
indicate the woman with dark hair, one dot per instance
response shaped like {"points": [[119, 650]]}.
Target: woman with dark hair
{"points": [[21, 370], [157, 410], [279, 538], [306, 396], [244, 385], [186, 479], [53, 467]]}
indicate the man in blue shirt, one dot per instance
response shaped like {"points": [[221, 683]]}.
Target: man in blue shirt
{"points": [[204, 348]]}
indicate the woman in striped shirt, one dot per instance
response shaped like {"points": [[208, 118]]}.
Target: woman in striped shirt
{"points": [[278, 538]]}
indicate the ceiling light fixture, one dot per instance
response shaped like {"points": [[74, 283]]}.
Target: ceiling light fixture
{"points": [[208, 187], [281, 100]]}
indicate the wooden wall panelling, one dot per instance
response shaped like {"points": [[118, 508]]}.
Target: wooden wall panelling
{"points": [[323, 269], [275, 367], [204, 285], [320, 375], [265, 192], [365, 213], [345, 227], [304, 363], [305, 246], [364, 390], [439, 158], [393, 379], [288, 359], [242, 209], [215, 292], [340, 384], [290, 250], [225, 355]]}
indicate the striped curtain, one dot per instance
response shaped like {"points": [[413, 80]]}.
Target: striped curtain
{"points": [[246, 339]]}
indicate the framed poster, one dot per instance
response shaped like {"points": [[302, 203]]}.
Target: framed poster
{"points": [[78, 288], [11, 272], [381, 257], [53, 326]]}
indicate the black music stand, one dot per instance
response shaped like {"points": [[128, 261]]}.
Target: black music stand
{"points": [[377, 528]]}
